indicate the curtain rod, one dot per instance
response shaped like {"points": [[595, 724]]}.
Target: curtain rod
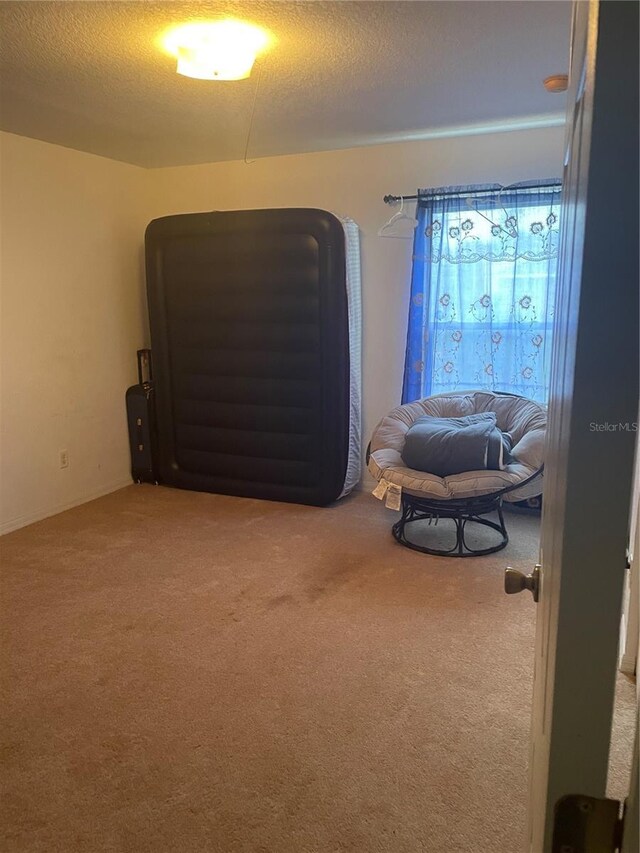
{"points": [[392, 199]]}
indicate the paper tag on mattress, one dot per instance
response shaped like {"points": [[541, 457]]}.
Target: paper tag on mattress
{"points": [[394, 494], [381, 490]]}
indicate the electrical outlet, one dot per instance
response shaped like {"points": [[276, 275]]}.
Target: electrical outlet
{"points": [[64, 458]]}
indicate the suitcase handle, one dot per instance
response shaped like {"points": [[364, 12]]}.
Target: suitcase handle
{"points": [[144, 366]]}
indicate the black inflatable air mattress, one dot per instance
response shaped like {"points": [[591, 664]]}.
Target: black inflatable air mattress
{"points": [[250, 338]]}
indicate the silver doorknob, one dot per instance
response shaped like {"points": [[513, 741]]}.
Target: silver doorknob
{"points": [[516, 581]]}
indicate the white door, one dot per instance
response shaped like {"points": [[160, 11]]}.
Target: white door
{"points": [[594, 396]]}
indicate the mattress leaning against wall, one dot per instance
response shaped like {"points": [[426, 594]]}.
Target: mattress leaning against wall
{"points": [[255, 333]]}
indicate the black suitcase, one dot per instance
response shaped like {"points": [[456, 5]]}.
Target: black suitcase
{"points": [[141, 419]]}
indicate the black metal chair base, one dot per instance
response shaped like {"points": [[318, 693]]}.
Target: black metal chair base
{"points": [[462, 511]]}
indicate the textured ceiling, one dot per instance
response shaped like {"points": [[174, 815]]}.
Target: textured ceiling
{"points": [[89, 75]]}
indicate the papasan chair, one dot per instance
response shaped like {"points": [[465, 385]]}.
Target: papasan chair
{"points": [[468, 497]]}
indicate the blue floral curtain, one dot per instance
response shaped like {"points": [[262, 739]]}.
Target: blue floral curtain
{"points": [[483, 290]]}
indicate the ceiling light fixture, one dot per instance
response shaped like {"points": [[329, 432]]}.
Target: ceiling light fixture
{"points": [[556, 83], [215, 50]]}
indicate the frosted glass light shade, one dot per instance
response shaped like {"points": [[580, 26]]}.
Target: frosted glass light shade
{"points": [[216, 50]]}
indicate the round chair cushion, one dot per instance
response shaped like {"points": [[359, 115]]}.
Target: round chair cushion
{"points": [[524, 419]]}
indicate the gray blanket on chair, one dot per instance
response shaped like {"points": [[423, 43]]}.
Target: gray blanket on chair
{"points": [[445, 446]]}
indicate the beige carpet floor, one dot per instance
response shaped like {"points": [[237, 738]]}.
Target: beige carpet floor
{"points": [[190, 672]]}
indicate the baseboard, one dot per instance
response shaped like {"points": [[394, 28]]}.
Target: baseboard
{"points": [[628, 664], [628, 644], [40, 514]]}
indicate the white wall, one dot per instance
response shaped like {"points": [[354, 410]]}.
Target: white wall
{"points": [[352, 182], [71, 227]]}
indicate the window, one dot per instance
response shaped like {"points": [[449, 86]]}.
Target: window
{"points": [[483, 291]]}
